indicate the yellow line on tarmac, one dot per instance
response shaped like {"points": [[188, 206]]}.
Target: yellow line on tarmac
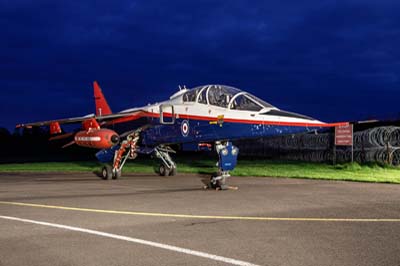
{"points": [[191, 216]]}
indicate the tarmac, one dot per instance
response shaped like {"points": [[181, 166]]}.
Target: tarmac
{"points": [[79, 219]]}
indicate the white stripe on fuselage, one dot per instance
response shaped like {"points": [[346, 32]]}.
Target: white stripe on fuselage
{"points": [[212, 112], [87, 138]]}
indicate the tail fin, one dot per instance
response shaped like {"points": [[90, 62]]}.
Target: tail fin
{"points": [[102, 107]]}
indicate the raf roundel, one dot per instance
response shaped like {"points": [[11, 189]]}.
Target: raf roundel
{"points": [[185, 128]]}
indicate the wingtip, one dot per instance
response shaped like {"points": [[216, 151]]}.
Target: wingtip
{"points": [[23, 126]]}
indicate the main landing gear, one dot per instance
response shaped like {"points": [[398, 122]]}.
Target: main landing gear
{"points": [[119, 154], [128, 149], [227, 160], [123, 152], [167, 166]]}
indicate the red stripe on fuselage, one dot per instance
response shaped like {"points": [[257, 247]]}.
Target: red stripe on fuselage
{"points": [[229, 120]]}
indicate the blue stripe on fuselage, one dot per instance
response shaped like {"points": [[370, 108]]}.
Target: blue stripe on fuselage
{"points": [[203, 131]]}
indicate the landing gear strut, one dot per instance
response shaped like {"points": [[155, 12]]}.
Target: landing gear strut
{"points": [[126, 150], [227, 160], [167, 166]]}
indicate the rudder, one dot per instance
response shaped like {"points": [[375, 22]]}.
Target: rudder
{"points": [[102, 107]]}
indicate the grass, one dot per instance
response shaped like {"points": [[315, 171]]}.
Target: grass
{"points": [[350, 172]]}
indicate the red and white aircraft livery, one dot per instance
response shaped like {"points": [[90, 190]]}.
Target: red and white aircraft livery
{"points": [[205, 116]]}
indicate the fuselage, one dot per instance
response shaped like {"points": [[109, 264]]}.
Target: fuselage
{"points": [[210, 113]]}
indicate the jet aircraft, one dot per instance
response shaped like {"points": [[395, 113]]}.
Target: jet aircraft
{"points": [[206, 116]]}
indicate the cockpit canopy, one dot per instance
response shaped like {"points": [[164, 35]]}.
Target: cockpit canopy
{"points": [[225, 97]]}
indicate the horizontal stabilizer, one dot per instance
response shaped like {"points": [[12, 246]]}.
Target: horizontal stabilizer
{"points": [[63, 136], [68, 144]]}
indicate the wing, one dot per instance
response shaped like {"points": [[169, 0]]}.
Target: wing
{"points": [[103, 116], [106, 119]]}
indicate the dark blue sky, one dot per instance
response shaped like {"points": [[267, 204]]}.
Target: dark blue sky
{"points": [[333, 60]]}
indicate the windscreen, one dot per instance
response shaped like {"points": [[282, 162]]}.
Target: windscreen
{"points": [[244, 103], [191, 95], [258, 100], [221, 95]]}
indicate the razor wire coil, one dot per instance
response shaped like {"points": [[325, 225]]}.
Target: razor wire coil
{"points": [[379, 145]]}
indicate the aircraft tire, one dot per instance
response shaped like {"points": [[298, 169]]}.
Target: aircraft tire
{"points": [[173, 171], [117, 174], [106, 172], [163, 170]]}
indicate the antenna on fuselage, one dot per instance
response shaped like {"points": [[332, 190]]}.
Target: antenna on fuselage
{"points": [[182, 87]]}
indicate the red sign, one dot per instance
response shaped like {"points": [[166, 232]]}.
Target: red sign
{"points": [[344, 135]]}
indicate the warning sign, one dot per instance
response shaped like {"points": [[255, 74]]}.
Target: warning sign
{"points": [[344, 135]]}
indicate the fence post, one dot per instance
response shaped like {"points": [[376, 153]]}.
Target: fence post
{"points": [[334, 152], [352, 143], [389, 155]]}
